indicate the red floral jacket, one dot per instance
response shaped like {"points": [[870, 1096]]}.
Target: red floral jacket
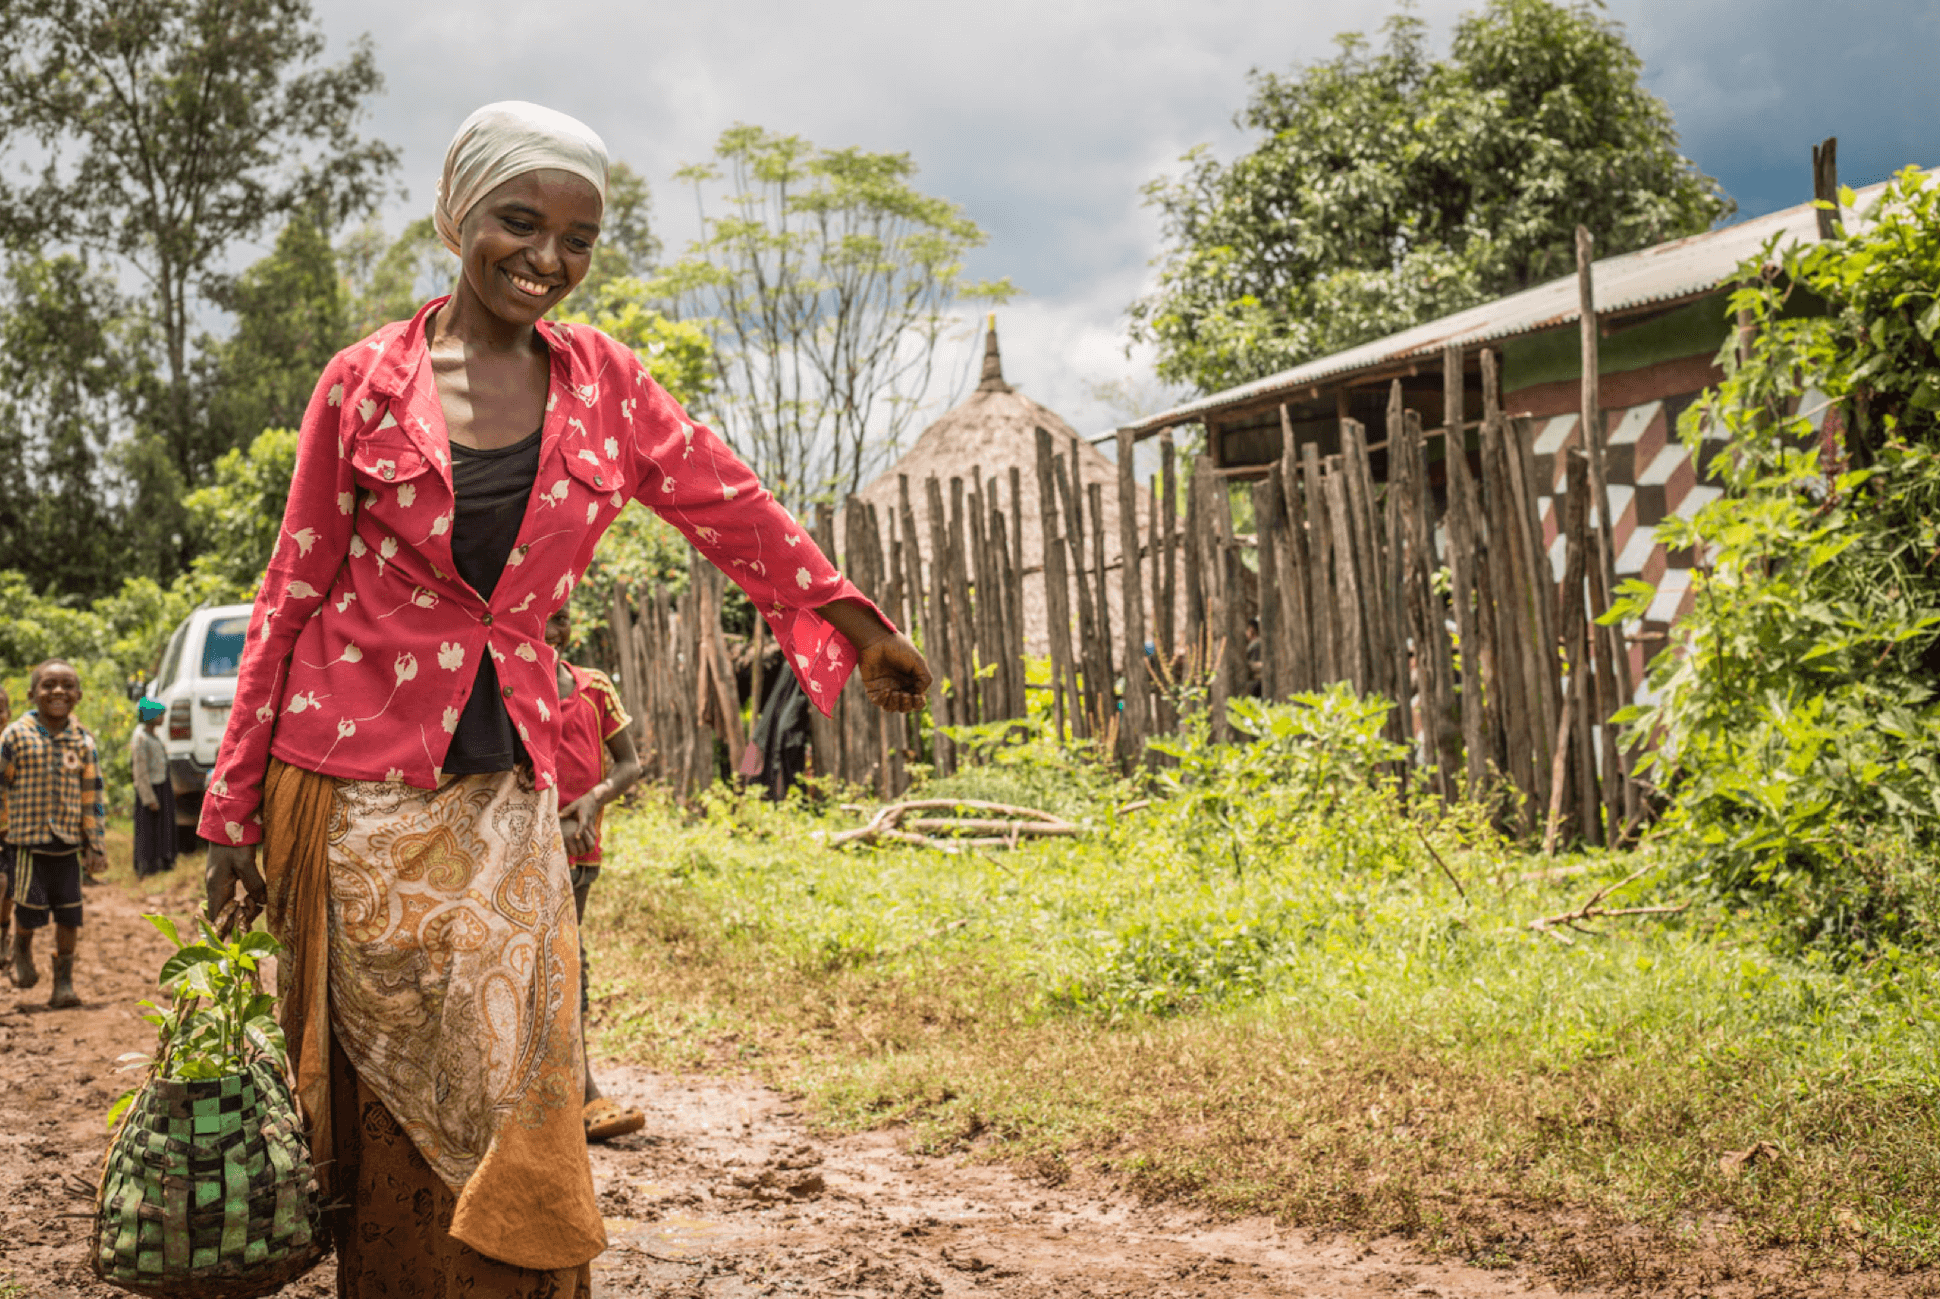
{"points": [[364, 641]]}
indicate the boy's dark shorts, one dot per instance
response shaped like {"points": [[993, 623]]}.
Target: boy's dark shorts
{"points": [[45, 885]]}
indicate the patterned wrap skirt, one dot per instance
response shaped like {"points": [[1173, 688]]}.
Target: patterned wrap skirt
{"points": [[432, 950]]}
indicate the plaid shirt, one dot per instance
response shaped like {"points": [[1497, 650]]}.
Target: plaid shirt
{"points": [[50, 785]]}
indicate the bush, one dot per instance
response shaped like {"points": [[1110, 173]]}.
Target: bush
{"points": [[1796, 720], [1317, 754]]}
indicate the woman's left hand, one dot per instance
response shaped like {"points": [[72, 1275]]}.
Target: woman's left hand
{"points": [[892, 669], [894, 673]]}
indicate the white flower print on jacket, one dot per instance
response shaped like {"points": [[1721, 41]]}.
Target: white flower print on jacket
{"points": [[366, 535]]}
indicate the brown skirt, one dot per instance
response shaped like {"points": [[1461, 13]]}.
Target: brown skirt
{"points": [[392, 1226]]}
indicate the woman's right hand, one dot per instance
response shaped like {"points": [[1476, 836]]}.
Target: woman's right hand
{"points": [[229, 865]]}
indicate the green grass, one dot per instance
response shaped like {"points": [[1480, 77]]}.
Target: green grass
{"points": [[1284, 1006]]}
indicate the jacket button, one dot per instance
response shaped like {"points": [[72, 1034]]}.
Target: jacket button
{"points": [[598, 481], [487, 620], [389, 472], [506, 691]]}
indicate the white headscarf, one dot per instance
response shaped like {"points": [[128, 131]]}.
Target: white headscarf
{"points": [[508, 139]]}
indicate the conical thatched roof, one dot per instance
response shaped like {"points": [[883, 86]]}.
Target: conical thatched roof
{"points": [[992, 432]]}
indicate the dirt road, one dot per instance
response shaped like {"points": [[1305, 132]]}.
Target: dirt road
{"points": [[727, 1193]]}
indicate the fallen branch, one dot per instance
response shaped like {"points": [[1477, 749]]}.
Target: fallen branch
{"points": [[895, 811], [1593, 909], [1002, 830], [951, 825]]}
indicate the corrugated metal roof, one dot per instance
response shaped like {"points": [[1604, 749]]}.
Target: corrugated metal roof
{"points": [[1662, 273]]}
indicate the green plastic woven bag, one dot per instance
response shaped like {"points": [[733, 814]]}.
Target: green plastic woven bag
{"points": [[209, 1191]]}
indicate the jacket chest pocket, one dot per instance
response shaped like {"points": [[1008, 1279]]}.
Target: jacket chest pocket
{"points": [[598, 474], [381, 462], [592, 489]]}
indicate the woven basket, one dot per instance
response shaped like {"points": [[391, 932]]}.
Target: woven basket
{"points": [[208, 1191]]}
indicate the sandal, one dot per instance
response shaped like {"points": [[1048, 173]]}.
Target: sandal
{"points": [[606, 1120]]}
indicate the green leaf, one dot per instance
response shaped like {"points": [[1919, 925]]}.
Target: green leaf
{"points": [[120, 1107], [166, 926], [191, 961], [1929, 322], [259, 942], [267, 1035]]}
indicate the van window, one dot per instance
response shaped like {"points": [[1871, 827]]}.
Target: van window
{"points": [[171, 660], [222, 647]]}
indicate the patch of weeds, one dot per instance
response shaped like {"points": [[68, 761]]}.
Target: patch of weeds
{"points": [[1331, 1034]]}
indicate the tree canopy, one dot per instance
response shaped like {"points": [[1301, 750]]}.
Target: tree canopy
{"points": [[826, 280], [144, 142], [66, 381], [1386, 187]]}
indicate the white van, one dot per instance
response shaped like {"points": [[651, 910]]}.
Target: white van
{"points": [[197, 683]]}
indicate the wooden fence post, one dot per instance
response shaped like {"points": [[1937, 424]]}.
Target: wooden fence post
{"points": [[1612, 644], [1462, 562], [963, 632], [949, 702], [1087, 612], [1347, 575], [1270, 518], [1329, 665], [1303, 664], [1434, 668], [1014, 589], [1209, 557], [1057, 603], [1134, 721]]}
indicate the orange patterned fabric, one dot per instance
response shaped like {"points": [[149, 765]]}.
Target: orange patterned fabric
{"points": [[295, 865], [431, 935]]}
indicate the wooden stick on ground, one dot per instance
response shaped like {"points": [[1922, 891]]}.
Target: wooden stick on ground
{"points": [[1009, 824], [1593, 909]]}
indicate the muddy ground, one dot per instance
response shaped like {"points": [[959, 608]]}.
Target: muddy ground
{"points": [[730, 1192]]}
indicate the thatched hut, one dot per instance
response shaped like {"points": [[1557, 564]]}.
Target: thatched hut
{"points": [[991, 432]]}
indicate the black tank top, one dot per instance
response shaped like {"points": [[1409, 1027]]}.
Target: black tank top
{"points": [[491, 489]]}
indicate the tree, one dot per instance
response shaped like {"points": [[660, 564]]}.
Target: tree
{"points": [[391, 281], [640, 549], [167, 131], [235, 518], [65, 387], [291, 318], [826, 284], [627, 248], [1388, 188]]}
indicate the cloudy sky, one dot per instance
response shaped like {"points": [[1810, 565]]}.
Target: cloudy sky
{"points": [[1044, 118]]}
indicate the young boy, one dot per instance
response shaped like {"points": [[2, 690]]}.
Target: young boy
{"points": [[50, 778], [596, 763]]}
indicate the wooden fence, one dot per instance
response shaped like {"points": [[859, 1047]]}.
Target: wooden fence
{"points": [[1363, 567]]}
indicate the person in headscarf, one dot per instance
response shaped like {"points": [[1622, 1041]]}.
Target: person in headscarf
{"points": [[391, 751], [154, 796]]}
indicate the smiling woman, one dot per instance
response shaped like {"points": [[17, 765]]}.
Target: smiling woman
{"points": [[393, 742]]}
